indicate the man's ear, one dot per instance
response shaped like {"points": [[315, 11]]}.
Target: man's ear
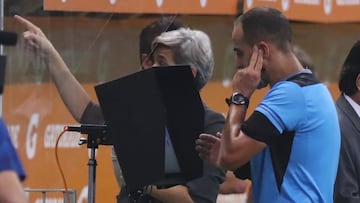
{"points": [[358, 82], [194, 71], [146, 62], [264, 46]]}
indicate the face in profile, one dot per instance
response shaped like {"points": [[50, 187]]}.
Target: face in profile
{"points": [[163, 56], [241, 48], [243, 52]]}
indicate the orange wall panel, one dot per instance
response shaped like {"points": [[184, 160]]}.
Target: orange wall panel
{"points": [[324, 11], [36, 116], [146, 6]]}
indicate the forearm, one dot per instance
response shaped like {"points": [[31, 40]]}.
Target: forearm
{"points": [[71, 91], [232, 130], [235, 118], [175, 194]]}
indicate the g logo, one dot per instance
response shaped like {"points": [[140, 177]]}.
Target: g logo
{"points": [[31, 136]]}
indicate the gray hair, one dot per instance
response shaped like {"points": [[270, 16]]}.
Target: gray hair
{"points": [[190, 47]]}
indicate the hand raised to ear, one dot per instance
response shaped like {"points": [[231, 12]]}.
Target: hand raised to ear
{"points": [[246, 80]]}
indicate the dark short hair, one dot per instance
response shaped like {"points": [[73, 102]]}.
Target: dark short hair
{"points": [[151, 31], [266, 23], [350, 70]]}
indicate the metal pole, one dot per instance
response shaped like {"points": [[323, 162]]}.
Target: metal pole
{"points": [[92, 175], [44, 197]]}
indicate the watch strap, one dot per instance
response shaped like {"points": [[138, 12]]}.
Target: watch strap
{"points": [[244, 101]]}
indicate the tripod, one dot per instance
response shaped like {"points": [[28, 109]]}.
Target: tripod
{"points": [[97, 134], [92, 142]]}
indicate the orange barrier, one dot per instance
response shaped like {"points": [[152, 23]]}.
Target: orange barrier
{"points": [[324, 11], [36, 115], [145, 6]]}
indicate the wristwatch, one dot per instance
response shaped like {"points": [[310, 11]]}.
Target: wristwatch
{"points": [[237, 99]]}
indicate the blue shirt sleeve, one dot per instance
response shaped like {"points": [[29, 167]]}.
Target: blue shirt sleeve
{"points": [[283, 105], [9, 159]]}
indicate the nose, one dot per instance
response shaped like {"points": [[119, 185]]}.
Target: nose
{"points": [[146, 67], [239, 66], [155, 64], [238, 63]]}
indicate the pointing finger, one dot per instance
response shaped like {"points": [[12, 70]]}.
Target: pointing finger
{"points": [[30, 26]]}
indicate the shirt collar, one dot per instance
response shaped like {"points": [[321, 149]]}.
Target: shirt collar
{"points": [[354, 105], [296, 73]]}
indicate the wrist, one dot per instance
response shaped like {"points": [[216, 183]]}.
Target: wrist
{"points": [[239, 99], [246, 93]]}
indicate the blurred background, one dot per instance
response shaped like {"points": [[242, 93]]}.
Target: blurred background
{"points": [[99, 42]]}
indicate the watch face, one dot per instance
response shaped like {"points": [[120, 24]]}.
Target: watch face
{"points": [[238, 99]]}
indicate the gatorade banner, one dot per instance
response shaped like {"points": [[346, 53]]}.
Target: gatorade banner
{"points": [[323, 11], [145, 6]]}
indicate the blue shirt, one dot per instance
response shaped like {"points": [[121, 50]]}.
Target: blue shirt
{"points": [[171, 162], [302, 134], [9, 159]]}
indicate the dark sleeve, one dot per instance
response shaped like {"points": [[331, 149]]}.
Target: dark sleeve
{"points": [[347, 181], [206, 188], [265, 134], [92, 114]]}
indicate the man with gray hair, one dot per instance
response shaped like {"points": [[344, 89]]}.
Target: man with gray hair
{"points": [[191, 47], [169, 49], [188, 47]]}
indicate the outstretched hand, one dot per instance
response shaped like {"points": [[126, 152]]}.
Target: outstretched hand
{"points": [[208, 147], [34, 38]]}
